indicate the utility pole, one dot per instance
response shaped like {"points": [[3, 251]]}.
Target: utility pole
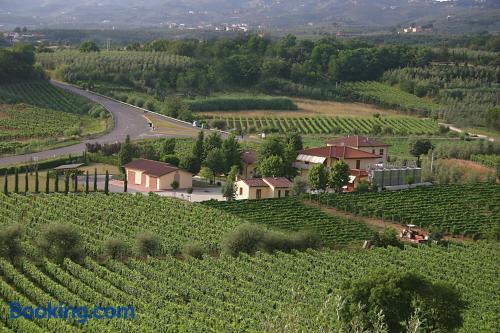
{"points": [[108, 44]]}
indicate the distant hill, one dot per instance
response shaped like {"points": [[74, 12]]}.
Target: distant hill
{"points": [[267, 13]]}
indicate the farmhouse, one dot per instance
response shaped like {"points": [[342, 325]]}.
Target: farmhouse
{"points": [[249, 159], [263, 188], [156, 176], [364, 143]]}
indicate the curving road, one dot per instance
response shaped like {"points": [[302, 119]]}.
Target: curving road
{"points": [[128, 121]]}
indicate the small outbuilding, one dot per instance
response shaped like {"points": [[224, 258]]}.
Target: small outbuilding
{"points": [[263, 188], [156, 176]]}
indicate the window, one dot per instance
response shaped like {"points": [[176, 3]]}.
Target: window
{"points": [[381, 152], [259, 194], [279, 193], [241, 190], [287, 193], [373, 151], [358, 164]]}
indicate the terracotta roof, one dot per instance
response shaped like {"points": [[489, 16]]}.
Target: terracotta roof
{"points": [[255, 182], [151, 168], [281, 182], [249, 156], [338, 152], [357, 141]]}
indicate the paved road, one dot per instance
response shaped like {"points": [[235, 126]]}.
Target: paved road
{"points": [[128, 120]]}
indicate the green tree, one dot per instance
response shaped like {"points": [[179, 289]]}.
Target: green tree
{"points": [[37, 182], [213, 141], [233, 172], [95, 179], [167, 147], [229, 190], [125, 185], [148, 244], [198, 154], [47, 182], [272, 146], [89, 46], [493, 119], [420, 147], [106, 183], [116, 249], [6, 183], [299, 186], [126, 153], [207, 173], [215, 160], [289, 157], [398, 295], [318, 177], [271, 166], [16, 181], [295, 140], [87, 182], [339, 175], [232, 152], [10, 242], [59, 241]]}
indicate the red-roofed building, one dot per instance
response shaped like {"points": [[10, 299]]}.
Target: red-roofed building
{"points": [[364, 143], [155, 175], [263, 188]]}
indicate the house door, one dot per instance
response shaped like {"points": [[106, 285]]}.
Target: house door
{"points": [[358, 164], [259, 194], [153, 183]]}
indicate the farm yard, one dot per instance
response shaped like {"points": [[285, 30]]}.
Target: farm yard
{"points": [[291, 214], [331, 125], [469, 210], [218, 292]]}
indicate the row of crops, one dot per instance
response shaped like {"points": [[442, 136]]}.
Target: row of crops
{"points": [[471, 210], [112, 61], [491, 161], [44, 95], [333, 125], [291, 214], [262, 293], [389, 97], [24, 122]]}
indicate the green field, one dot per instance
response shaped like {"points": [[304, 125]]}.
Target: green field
{"points": [[291, 214], [332, 125], [36, 115], [491, 161], [470, 210], [264, 293], [390, 97]]}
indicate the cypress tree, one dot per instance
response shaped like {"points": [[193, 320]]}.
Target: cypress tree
{"points": [[6, 184], [76, 182], [87, 182], [95, 180], [16, 181], [66, 184], [125, 185], [26, 181], [56, 182], [106, 183], [37, 184], [47, 183]]}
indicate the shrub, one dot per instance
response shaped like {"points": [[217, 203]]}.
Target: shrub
{"points": [[218, 123], [194, 249], [10, 242], [148, 244], [386, 239], [245, 238], [149, 105], [172, 159], [116, 249], [59, 241]]}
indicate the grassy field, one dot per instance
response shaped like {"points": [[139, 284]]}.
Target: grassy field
{"points": [[258, 293]]}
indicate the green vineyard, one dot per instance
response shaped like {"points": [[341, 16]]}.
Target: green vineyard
{"points": [[43, 95], [261, 293], [291, 214], [24, 122], [389, 97], [333, 125], [471, 210]]}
